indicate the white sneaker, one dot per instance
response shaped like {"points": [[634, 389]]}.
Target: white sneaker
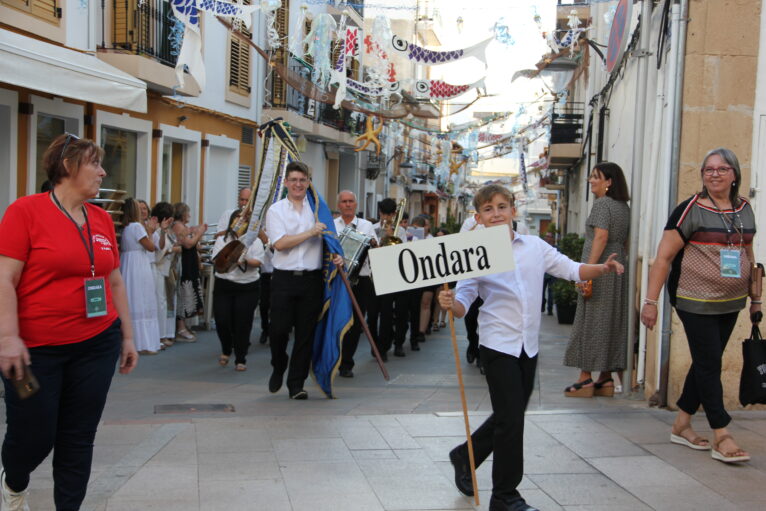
{"points": [[13, 501]]}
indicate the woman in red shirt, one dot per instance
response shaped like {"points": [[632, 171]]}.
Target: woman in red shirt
{"points": [[64, 315]]}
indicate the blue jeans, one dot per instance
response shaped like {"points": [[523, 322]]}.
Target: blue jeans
{"points": [[62, 416]]}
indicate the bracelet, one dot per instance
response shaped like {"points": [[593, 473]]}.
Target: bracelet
{"points": [[649, 301], [758, 302]]}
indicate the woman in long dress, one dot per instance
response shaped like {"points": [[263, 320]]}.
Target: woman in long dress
{"points": [[164, 257], [189, 304], [599, 335], [136, 255]]}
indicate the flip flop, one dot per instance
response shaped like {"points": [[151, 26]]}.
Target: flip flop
{"points": [[731, 456], [579, 389], [695, 443]]}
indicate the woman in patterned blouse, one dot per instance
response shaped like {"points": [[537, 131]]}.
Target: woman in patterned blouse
{"points": [[707, 248]]}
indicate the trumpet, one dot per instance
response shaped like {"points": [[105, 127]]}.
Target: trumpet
{"points": [[385, 226]]}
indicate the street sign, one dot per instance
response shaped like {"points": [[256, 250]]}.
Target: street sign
{"points": [[441, 259], [617, 36]]}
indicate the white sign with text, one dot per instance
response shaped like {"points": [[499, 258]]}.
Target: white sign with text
{"points": [[441, 259]]}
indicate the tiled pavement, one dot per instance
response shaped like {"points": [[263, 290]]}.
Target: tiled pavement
{"points": [[383, 445]]}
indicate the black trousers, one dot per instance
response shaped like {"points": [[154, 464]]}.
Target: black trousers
{"points": [[707, 336], [393, 317], [548, 281], [63, 415], [415, 296], [471, 319], [510, 380], [234, 308], [265, 301], [363, 291], [298, 300]]}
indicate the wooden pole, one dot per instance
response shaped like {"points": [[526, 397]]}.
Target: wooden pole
{"points": [[360, 318], [459, 372]]}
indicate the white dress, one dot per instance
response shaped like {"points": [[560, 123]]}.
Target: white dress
{"points": [[135, 264], [162, 261]]}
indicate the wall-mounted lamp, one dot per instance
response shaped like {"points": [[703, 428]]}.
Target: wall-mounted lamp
{"points": [[181, 119]]}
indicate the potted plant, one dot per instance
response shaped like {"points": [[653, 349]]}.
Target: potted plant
{"points": [[564, 291]]}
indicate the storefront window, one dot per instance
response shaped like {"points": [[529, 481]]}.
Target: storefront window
{"points": [[119, 159], [48, 128]]}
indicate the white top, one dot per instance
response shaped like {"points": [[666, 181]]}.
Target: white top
{"points": [[470, 223], [283, 219], [510, 316], [366, 228], [163, 257], [223, 221], [251, 274]]}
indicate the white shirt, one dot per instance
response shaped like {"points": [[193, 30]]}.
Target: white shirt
{"points": [[470, 223], [284, 219], [510, 316], [251, 274], [223, 221], [363, 226]]}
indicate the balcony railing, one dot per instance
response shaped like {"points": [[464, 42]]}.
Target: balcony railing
{"points": [[145, 29], [566, 125], [295, 101]]}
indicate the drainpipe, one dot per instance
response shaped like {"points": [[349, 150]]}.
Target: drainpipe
{"points": [[636, 184], [679, 18]]}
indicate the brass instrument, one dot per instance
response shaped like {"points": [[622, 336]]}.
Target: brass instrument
{"points": [[228, 257], [392, 239]]}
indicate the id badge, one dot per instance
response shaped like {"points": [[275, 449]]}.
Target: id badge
{"points": [[95, 297], [730, 263]]}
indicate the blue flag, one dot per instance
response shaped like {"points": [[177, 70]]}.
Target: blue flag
{"points": [[336, 316]]}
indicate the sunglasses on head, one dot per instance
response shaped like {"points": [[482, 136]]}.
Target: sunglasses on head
{"points": [[69, 137]]}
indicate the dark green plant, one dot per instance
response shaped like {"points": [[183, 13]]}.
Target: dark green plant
{"points": [[564, 291]]}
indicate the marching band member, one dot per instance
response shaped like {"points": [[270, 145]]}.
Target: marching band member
{"points": [[363, 289], [296, 283]]}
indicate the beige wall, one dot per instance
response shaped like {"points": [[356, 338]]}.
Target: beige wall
{"points": [[719, 95]]}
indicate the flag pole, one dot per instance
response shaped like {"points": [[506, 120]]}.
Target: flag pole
{"points": [[459, 372], [360, 317]]}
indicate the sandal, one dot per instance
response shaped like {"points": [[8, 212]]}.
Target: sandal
{"points": [[240, 367], [697, 443], [600, 388], [579, 389], [731, 456], [223, 360], [435, 327], [442, 324], [167, 342], [185, 336]]}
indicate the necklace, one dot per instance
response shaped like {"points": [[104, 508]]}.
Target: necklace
{"points": [[728, 223]]}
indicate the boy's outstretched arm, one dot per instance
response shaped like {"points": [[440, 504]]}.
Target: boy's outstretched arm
{"points": [[594, 271]]}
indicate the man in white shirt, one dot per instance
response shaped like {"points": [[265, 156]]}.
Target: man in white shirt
{"points": [[223, 221], [509, 326], [363, 289], [296, 282]]}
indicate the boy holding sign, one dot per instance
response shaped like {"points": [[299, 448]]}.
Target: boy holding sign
{"points": [[509, 325]]}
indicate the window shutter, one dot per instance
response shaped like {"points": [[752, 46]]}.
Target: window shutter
{"points": [[239, 59], [243, 177], [124, 22], [48, 10], [279, 87]]}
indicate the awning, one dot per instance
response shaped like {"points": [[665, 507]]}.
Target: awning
{"points": [[45, 67]]}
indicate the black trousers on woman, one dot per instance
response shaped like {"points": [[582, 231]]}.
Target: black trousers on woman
{"points": [[265, 301], [63, 415], [234, 308], [510, 380], [707, 335]]}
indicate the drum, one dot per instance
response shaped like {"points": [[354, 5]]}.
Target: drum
{"points": [[355, 247]]}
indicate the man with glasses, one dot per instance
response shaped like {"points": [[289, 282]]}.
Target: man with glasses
{"points": [[223, 221], [296, 283]]}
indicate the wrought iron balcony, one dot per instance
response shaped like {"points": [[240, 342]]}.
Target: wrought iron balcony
{"points": [[147, 28], [567, 123]]}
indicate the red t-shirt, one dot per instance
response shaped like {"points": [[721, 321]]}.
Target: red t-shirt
{"points": [[51, 293]]}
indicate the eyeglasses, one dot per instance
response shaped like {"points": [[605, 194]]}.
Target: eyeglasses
{"points": [[69, 137], [301, 180], [721, 171]]}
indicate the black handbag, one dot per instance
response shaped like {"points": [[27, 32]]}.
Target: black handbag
{"points": [[752, 383]]}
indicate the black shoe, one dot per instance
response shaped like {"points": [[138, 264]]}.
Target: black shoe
{"points": [[462, 471], [264, 337], [414, 346], [470, 356], [346, 373], [428, 329], [275, 382], [517, 504], [421, 337], [383, 355], [399, 351], [299, 395]]}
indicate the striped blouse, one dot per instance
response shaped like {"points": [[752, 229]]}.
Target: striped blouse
{"points": [[695, 282]]}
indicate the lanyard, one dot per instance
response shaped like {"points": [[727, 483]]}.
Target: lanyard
{"points": [[88, 247], [728, 223]]}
